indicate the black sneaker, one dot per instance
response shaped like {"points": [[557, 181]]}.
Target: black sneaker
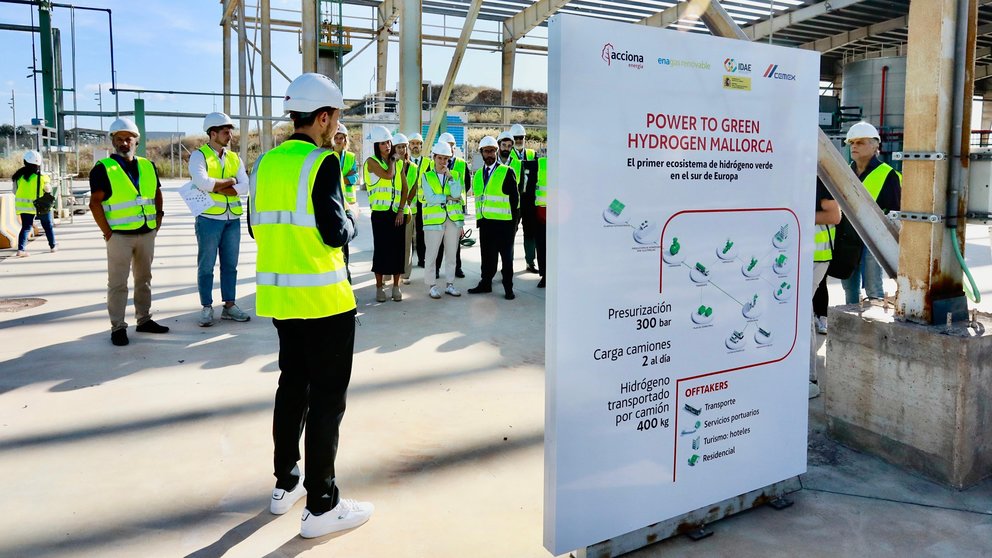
{"points": [[119, 337], [459, 274], [532, 269], [509, 295], [540, 285], [480, 289], [151, 327], [420, 264]]}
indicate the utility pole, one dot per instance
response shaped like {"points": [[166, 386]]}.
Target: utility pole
{"points": [[99, 100], [13, 109]]}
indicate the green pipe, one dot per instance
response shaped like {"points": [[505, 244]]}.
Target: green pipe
{"points": [[973, 293]]}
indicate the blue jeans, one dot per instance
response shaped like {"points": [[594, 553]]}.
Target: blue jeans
{"points": [[27, 220], [213, 235], [869, 274]]}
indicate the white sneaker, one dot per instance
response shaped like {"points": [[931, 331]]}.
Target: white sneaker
{"points": [[283, 500], [234, 313], [380, 294], [54, 249], [348, 514], [22, 254], [821, 325], [451, 290], [206, 316], [434, 292]]}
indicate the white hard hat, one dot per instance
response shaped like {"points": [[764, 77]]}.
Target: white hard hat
{"points": [[32, 157], [216, 120], [446, 138], [417, 137], [442, 148], [517, 130], [488, 141], [379, 134], [399, 139], [310, 92], [342, 129], [124, 124], [504, 136], [862, 130]]}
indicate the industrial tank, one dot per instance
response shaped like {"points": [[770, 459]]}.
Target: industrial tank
{"points": [[878, 86]]}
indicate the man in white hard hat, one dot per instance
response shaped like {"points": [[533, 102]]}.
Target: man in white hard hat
{"points": [[459, 166], [526, 160], [126, 202], [884, 184], [33, 197], [219, 172], [496, 202], [423, 165], [300, 221]]}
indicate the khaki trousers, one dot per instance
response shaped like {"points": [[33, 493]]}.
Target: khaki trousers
{"points": [[128, 253]]}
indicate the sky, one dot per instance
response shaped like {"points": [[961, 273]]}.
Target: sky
{"points": [[176, 45]]}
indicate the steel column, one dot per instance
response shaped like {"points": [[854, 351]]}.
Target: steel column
{"points": [[308, 35], [243, 132], [386, 19], [411, 55], [509, 58], [266, 135], [226, 39], [47, 61]]}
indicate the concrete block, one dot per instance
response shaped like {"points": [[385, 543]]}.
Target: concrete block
{"points": [[919, 397]]}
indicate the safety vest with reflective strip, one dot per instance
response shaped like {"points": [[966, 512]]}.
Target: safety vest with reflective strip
{"points": [[529, 154], [215, 170], [130, 207], [823, 240], [492, 203], [541, 194], [876, 179], [297, 275], [348, 186], [27, 191], [412, 177], [384, 195], [435, 214]]}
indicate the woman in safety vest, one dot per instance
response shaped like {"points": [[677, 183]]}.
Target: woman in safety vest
{"points": [[31, 185], [441, 197], [385, 179]]}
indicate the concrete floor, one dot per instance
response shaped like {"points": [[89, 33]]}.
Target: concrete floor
{"points": [[163, 448]]}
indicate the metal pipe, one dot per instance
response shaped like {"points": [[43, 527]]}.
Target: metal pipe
{"points": [[204, 93], [226, 57], [266, 136], [881, 110], [411, 75], [242, 85], [957, 116]]}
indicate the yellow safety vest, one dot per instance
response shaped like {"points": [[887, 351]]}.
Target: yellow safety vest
{"points": [[412, 176], [27, 191], [384, 195], [492, 203], [823, 240], [129, 207], [435, 214], [876, 179], [541, 195], [228, 170], [297, 275], [347, 186]]}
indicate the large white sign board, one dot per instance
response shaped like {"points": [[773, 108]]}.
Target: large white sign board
{"points": [[681, 219]]}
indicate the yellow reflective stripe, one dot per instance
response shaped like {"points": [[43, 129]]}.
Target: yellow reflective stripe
{"points": [[270, 279], [125, 205], [126, 220]]}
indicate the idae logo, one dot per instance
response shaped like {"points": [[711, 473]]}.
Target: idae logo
{"points": [[610, 55], [736, 66]]}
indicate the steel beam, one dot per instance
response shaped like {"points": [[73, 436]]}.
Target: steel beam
{"points": [[226, 47], [387, 15], [411, 71], [509, 59], [308, 34], [767, 27], [266, 40], [528, 18], [834, 42], [449, 80], [670, 15]]}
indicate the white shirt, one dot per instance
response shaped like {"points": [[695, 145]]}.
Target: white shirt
{"points": [[198, 173]]}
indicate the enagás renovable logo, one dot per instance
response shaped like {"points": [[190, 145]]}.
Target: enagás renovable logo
{"points": [[610, 55], [772, 72], [736, 66], [690, 64]]}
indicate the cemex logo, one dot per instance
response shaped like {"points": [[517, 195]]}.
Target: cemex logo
{"points": [[732, 65], [610, 55], [772, 72]]}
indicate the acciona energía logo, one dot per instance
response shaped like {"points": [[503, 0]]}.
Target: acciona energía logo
{"points": [[610, 55]]}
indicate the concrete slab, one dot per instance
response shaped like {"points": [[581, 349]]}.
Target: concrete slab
{"points": [[163, 448]]}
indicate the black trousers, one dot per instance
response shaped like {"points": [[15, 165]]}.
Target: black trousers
{"points": [[528, 218], [421, 247], [541, 239], [821, 299], [496, 243], [315, 369]]}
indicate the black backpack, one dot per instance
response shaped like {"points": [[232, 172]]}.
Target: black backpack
{"points": [[846, 252]]}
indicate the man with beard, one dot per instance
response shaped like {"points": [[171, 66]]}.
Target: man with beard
{"points": [[495, 188], [423, 165], [126, 201]]}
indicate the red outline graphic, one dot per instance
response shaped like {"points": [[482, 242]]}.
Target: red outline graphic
{"points": [[675, 447]]}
